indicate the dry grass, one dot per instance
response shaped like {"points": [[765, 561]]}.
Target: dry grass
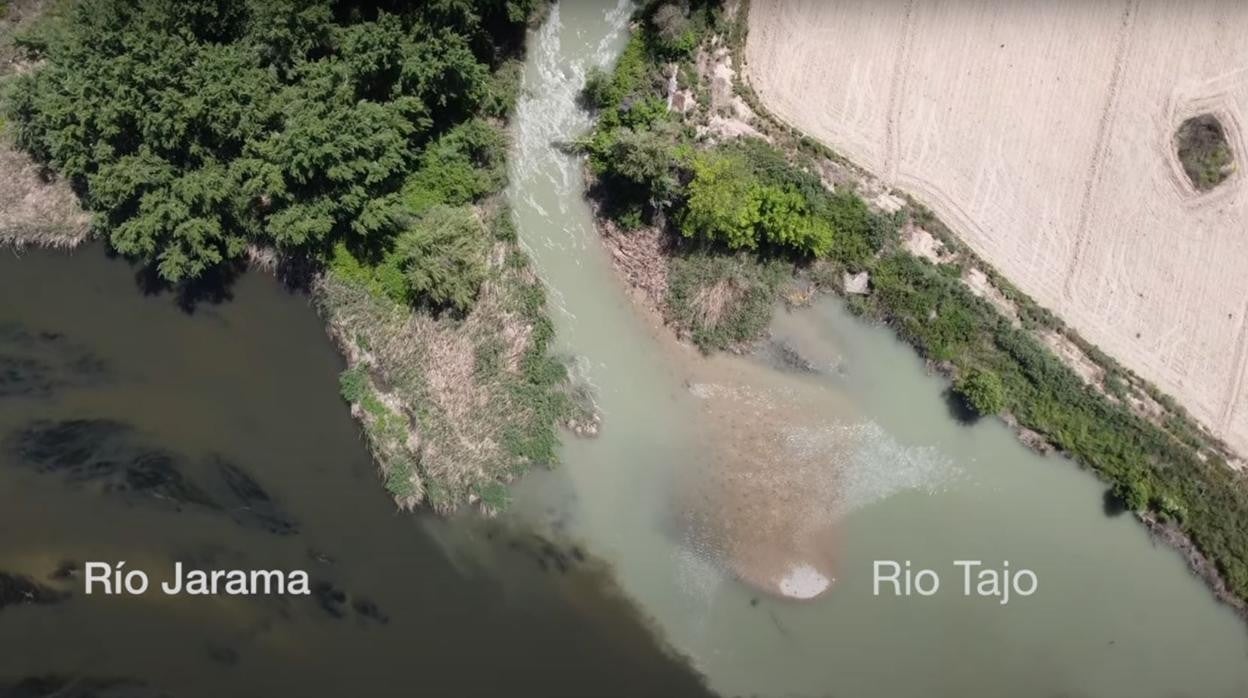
{"points": [[36, 208], [712, 302], [453, 408]]}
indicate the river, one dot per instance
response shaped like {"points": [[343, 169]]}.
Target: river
{"points": [[871, 464], [133, 430]]}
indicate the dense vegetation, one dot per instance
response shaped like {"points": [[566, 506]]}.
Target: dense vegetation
{"points": [[740, 197], [196, 128], [738, 208], [1204, 152], [364, 140]]}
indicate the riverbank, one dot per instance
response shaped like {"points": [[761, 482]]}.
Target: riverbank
{"points": [[36, 207], [454, 409], [667, 103], [441, 321], [130, 430]]}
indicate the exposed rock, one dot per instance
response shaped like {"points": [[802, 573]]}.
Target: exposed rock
{"points": [[858, 284]]}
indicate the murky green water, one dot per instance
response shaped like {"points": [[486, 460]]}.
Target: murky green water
{"points": [[130, 430], [872, 466]]}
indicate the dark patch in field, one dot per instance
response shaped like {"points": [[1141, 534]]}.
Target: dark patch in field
{"points": [[19, 590], [1204, 152], [108, 455]]}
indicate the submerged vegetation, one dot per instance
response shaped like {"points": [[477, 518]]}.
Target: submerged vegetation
{"points": [[747, 218], [364, 141]]}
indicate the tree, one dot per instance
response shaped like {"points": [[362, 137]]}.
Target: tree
{"points": [[442, 256], [728, 203], [786, 221], [674, 28], [597, 91], [647, 158], [461, 166], [983, 391], [197, 128], [1133, 493], [724, 201]]}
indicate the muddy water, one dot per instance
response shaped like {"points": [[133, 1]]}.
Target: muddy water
{"points": [[718, 485], [130, 430]]}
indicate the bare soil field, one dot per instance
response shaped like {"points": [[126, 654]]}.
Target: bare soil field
{"points": [[1043, 135]]}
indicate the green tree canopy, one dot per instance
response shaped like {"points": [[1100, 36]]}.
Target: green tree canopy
{"points": [[196, 128], [982, 390], [724, 201], [729, 203], [442, 257]]}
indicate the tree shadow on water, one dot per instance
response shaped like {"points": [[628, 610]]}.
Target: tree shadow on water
{"points": [[214, 287], [296, 273], [959, 408], [1112, 504]]}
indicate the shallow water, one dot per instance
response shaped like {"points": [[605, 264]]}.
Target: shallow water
{"points": [[130, 430], [867, 462]]}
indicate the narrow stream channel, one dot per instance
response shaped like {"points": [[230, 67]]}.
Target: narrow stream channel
{"points": [[875, 459]]}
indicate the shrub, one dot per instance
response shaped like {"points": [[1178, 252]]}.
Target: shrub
{"points": [[442, 257], [729, 202], [785, 221], [353, 384], [982, 390], [1204, 152], [724, 202], [399, 478], [678, 28], [1134, 494], [597, 91], [722, 300], [649, 159]]}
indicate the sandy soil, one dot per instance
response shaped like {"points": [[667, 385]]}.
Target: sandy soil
{"points": [[1042, 134]]}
